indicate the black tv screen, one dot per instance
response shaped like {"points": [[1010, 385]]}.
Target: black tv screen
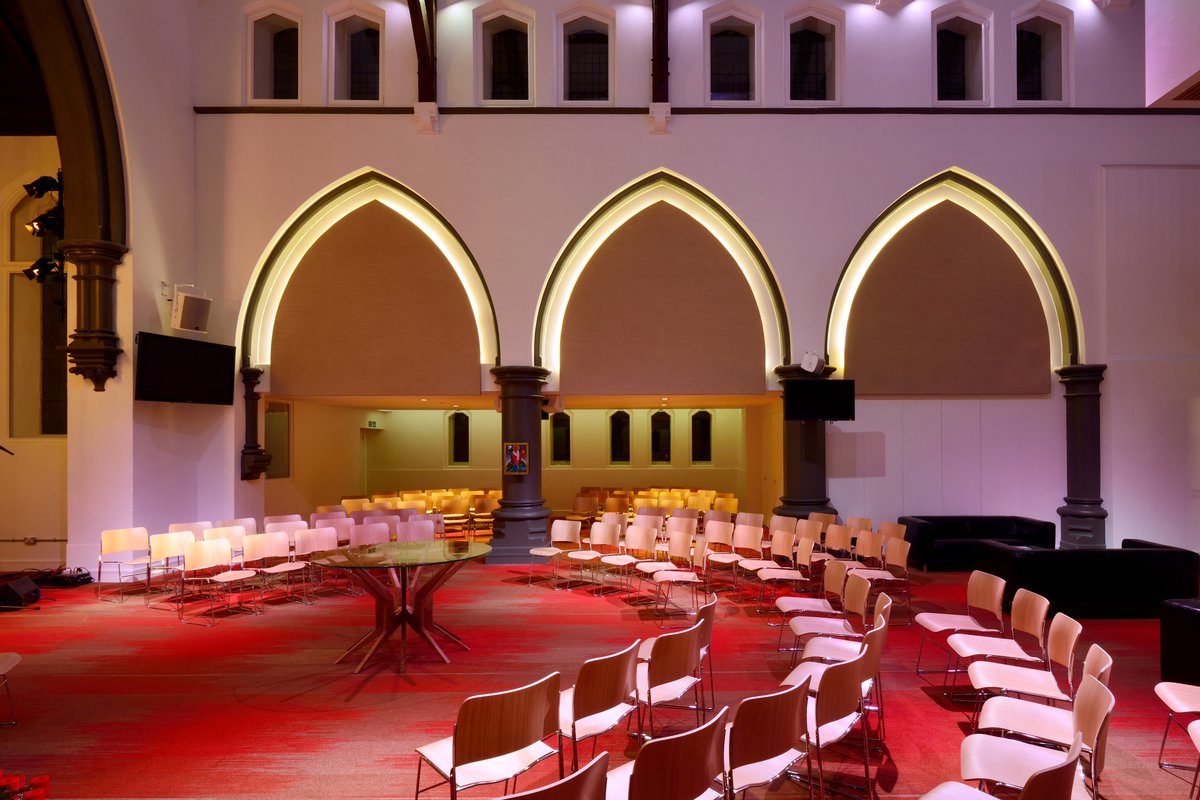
{"points": [[171, 369], [819, 399]]}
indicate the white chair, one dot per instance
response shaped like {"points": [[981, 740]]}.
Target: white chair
{"points": [[564, 536], [270, 555], [281, 518], [233, 533], [249, 524], [121, 546], [166, 555], [1056, 782], [290, 528], [985, 614], [8, 661], [316, 540], [600, 699], [670, 672], [680, 767], [208, 570], [370, 533], [415, 529], [764, 738]]}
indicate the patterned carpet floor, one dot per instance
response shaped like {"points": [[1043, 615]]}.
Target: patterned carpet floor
{"points": [[120, 700]]}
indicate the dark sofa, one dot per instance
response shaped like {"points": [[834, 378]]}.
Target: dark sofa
{"points": [[952, 542], [1126, 582]]}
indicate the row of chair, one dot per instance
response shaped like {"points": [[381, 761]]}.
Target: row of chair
{"points": [[427, 500], [1017, 692]]}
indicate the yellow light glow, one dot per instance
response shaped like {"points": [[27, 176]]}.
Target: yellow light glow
{"points": [[1040, 270], [325, 209], [595, 230]]}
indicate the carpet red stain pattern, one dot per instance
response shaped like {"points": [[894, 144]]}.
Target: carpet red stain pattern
{"points": [[118, 700]]}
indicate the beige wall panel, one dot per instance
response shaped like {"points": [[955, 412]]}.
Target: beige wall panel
{"points": [[947, 309], [374, 308], [326, 459], [661, 307]]}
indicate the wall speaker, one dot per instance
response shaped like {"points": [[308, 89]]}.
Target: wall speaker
{"points": [[189, 312], [19, 592]]}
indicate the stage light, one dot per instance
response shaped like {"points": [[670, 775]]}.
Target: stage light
{"points": [[42, 185], [42, 268], [49, 222]]}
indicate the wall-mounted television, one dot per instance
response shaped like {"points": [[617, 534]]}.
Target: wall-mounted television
{"points": [[819, 399], [171, 369]]}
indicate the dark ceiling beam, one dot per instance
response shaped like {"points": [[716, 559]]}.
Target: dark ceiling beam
{"points": [[423, 14], [659, 73]]}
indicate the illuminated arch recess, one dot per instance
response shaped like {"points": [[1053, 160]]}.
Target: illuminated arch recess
{"points": [[1002, 215], [620, 207], [325, 209]]}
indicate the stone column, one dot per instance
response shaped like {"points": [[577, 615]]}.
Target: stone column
{"points": [[521, 519], [1084, 514], [95, 346], [805, 487]]}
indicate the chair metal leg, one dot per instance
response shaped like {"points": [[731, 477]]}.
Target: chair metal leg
{"points": [[12, 710]]}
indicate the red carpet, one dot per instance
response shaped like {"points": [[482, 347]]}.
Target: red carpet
{"points": [[123, 701]]}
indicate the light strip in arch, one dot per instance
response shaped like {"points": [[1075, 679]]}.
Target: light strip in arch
{"points": [[668, 187], [324, 210], [1003, 216]]}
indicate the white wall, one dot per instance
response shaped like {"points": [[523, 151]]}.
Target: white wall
{"points": [[1172, 30]]}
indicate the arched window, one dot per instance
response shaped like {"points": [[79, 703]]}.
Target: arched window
{"points": [[506, 59], [560, 438], [961, 54], [731, 59], [274, 58], [702, 438], [586, 65], [660, 438], [356, 58], [1044, 54], [815, 39], [460, 438], [618, 437]]}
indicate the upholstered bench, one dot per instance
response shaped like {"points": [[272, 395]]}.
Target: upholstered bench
{"points": [[952, 542]]}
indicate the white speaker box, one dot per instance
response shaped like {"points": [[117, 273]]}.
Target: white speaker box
{"points": [[189, 312]]}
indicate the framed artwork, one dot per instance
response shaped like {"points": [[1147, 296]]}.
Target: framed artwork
{"points": [[516, 458]]}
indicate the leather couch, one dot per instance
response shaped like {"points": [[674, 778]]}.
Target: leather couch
{"points": [[1126, 582], [952, 542]]}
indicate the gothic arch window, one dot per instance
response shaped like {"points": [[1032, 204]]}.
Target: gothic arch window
{"points": [[1043, 39], [356, 68], [732, 54], [504, 37], [560, 438], [459, 438], [814, 47], [660, 437], [585, 57], [701, 437], [618, 437], [962, 54], [274, 57]]}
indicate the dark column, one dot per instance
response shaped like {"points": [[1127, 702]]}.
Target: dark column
{"points": [[804, 485], [520, 521], [423, 15], [1083, 515], [255, 459], [660, 91], [94, 347]]}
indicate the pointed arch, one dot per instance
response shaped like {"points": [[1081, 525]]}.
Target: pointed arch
{"points": [[661, 186], [1002, 215], [256, 321]]}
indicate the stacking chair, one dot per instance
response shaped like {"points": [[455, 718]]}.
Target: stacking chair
{"points": [[680, 767], [727, 504], [1181, 699], [1050, 725], [564, 535], [316, 518], [290, 527], [281, 518], [829, 604], [603, 542], [718, 535], [270, 555], [699, 502], [669, 505], [706, 618], [985, 614], [420, 505], [675, 523], [825, 520], [686, 558], [782, 523], [369, 533], [1035, 718], [669, 674], [617, 505], [746, 543], [587, 783], [856, 524], [331, 509], [1028, 619], [455, 513], [838, 541], [208, 569], [604, 694], [583, 509], [799, 576], [868, 548], [482, 516], [341, 527], [618, 518], [366, 513], [1004, 761], [1055, 782], [640, 548], [894, 573], [197, 528], [354, 503], [782, 557], [838, 707], [166, 556], [120, 546], [809, 529], [893, 530], [415, 529], [233, 533], [748, 518], [763, 738], [852, 624], [991, 677], [8, 661], [316, 540], [496, 737]]}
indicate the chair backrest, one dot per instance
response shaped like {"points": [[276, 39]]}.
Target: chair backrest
{"points": [[728, 504], [837, 538], [1098, 663], [455, 505], [416, 505], [491, 725], [289, 528], [169, 545], [618, 518], [841, 690], [854, 599], [686, 513], [645, 501], [677, 523], [1029, 610], [234, 533], [824, 519], [985, 593], [699, 502], [858, 523], [716, 515], [640, 541], [1060, 644], [605, 536], [565, 531], [197, 528], [1057, 782], [281, 518], [619, 504], [747, 540], [782, 523], [589, 782], [605, 682], [680, 767], [669, 504], [366, 513], [768, 725], [783, 544], [673, 656], [369, 533], [124, 540], [248, 523], [872, 650], [1090, 715], [895, 553], [585, 504], [804, 551], [835, 578], [868, 545], [679, 547], [893, 530], [719, 535], [342, 526], [706, 618], [748, 518], [256, 547], [320, 516], [316, 540], [377, 505], [332, 509], [206, 554], [809, 529], [416, 529]]}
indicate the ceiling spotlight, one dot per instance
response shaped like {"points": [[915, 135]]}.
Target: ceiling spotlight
{"points": [[42, 185], [41, 269], [50, 222]]}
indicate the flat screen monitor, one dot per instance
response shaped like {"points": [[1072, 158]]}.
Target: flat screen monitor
{"points": [[819, 399], [171, 369]]}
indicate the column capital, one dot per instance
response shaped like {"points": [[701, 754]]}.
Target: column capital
{"points": [[95, 346], [519, 372], [93, 250], [795, 372]]}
